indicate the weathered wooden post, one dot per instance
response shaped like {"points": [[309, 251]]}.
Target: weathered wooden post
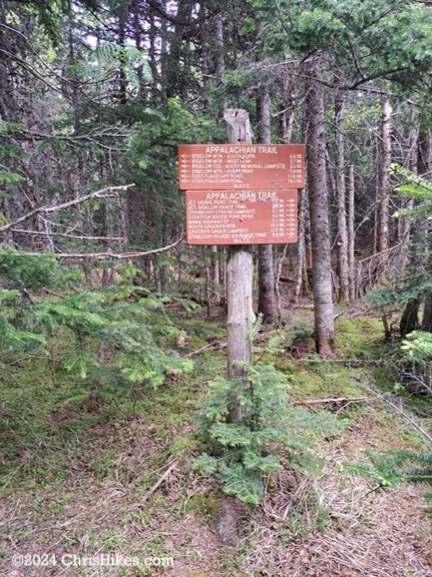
{"points": [[239, 279]]}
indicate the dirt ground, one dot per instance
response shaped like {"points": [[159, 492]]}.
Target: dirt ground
{"points": [[119, 482]]}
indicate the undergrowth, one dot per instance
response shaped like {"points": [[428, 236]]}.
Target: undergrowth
{"points": [[62, 459], [243, 454]]}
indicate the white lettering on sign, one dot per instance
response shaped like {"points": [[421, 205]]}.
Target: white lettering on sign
{"points": [[241, 217], [241, 167], [243, 195]]}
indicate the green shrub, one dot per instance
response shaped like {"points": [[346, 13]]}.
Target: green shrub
{"points": [[241, 455]]}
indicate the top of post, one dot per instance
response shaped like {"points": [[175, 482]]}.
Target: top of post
{"points": [[237, 126]]}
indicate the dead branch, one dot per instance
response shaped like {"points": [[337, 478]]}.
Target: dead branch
{"points": [[64, 235], [108, 192], [216, 345], [109, 254], [396, 404], [346, 362], [159, 482], [332, 401], [339, 315], [377, 254]]}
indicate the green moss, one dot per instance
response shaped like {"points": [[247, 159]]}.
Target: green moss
{"points": [[214, 504], [181, 445], [205, 504], [359, 337], [306, 383], [199, 332]]}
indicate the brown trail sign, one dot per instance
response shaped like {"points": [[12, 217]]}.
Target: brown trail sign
{"points": [[240, 194], [241, 217], [241, 166]]}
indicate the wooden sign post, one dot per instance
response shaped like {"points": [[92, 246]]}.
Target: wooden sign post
{"points": [[239, 194], [239, 280]]}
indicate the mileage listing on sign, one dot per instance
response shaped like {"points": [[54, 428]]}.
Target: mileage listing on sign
{"points": [[241, 167], [241, 217]]}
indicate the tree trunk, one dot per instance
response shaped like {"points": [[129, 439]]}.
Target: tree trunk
{"points": [[137, 32], [220, 58], [423, 166], [266, 277], [411, 163], [152, 52], [216, 275], [220, 72], [420, 255], [123, 14], [424, 154], [286, 113], [409, 321], [426, 324], [383, 185], [318, 208], [266, 283], [300, 270], [207, 297], [176, 60], [351, 234], [342, 237]]}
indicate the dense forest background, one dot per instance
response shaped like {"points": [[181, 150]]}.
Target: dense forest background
{"points": [[98, 95], [113, 330]]}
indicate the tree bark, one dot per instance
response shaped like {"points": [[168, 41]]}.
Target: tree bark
{"points": [[409, 321], [351, 233], [220, 72], [220, 58], [216, 275], [410, 233], [411, 163], [342, 237], [423, 166], [266, 276], [426, 324], [122, 18], [301, 267], [318, 208], [419, 253], [383, 184], [424, 153], [286, 113]]}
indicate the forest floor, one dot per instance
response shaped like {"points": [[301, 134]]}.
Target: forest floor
{"points": [[82, 480]]}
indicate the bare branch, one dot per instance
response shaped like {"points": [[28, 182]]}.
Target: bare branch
{"points": [[64, 235], [333, 401], [108, 254], [159, 482], [397, 405], [356, 62], [383, 15], [121, 256], [382, 74], [104, 193], [390, 249], [73, 139]]}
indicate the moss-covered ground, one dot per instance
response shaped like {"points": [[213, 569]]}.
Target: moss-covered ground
{"points": [[82, 479]]}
